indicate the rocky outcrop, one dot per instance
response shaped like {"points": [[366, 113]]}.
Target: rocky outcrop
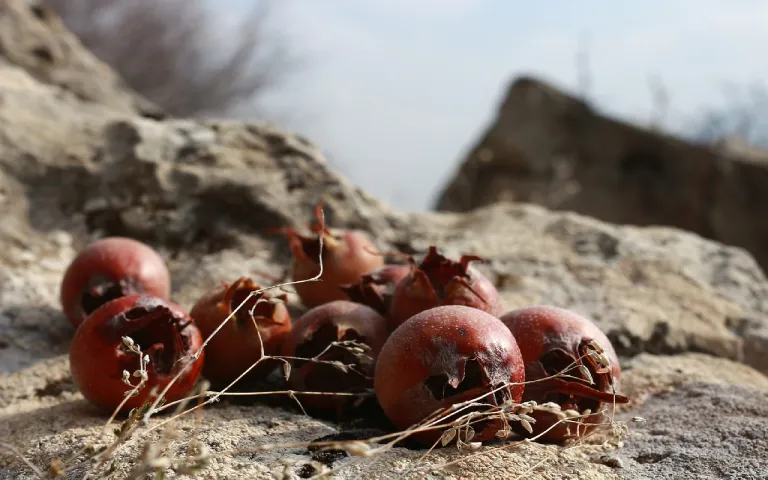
{"points": [[688, 316], [36, 40], [549, 148]]}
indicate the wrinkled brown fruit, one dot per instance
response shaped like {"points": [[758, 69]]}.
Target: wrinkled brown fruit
{"points": [[347, 254], [441, 281], [236, 346], [552, 340], [375, 289], [110, 268], [311, 338], [98, 355], [444, 356]]}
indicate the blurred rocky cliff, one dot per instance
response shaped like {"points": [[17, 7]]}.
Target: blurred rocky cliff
{"points": [[552, 149]]}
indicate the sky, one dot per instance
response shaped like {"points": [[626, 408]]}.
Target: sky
{"points": [[395, 92]]}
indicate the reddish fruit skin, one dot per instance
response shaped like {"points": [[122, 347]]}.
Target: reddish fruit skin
{"points": [[432, 352], [345, 259], [347, 254], [550, 338], [109, 268], [163, 331], [440, 281], [235, 347], [375, 289], [335, 321]]}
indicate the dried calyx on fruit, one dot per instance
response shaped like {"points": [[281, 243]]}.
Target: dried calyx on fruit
{"points": [[346, 254], [571, 363], [440, 281], [263, 320], [444, 356], [111, 268], [375, 289], [334, 349], [135, 340]]}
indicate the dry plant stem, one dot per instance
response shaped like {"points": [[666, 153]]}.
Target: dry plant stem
{"points": [[197, 354], [146, 466], [432, 422], [437, 421], [155, 404], [134, 390], [258, 394], [24, 459]]}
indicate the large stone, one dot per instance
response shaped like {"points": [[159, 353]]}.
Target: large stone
{"points": [[549, 148], [700, 431], [680, 309], [35, 39]]}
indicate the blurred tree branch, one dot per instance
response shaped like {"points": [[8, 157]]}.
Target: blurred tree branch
{"points": [[165, 50], [744, 115]]}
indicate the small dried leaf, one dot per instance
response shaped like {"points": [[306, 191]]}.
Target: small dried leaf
{"points": [[358, 449], [448, 436], [286, 370]]}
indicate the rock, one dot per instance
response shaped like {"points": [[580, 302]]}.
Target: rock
{"points": [[549, 148], [34, 39], [679, 308], [700, 430], [647, 374]]}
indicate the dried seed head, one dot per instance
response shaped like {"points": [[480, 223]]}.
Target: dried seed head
{"points": [[585, 373], [358, 449], [448, 436], [595, 345], [526, 425]]}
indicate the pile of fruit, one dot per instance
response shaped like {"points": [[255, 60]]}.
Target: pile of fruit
{"points": [[419, 336]]}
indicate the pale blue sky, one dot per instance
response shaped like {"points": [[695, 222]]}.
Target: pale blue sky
{"points": [[397, 90]]}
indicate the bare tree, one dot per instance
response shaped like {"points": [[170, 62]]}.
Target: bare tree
{"points": [[744, 115], [660, 102], [163, 50]]}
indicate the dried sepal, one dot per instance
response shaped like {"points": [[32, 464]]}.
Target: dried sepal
{"points": [[439, 281]]}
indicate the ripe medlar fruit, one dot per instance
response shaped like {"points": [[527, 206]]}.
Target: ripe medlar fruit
{"points": [[444, 356], [102, 360], [440, 281], [236, 346], [340, 341], [554, 340], [347, 254], [110, 268]]}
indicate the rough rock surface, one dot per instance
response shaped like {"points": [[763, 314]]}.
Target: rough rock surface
{"points": [[696, 431], [552, 149], [687, 315]]}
